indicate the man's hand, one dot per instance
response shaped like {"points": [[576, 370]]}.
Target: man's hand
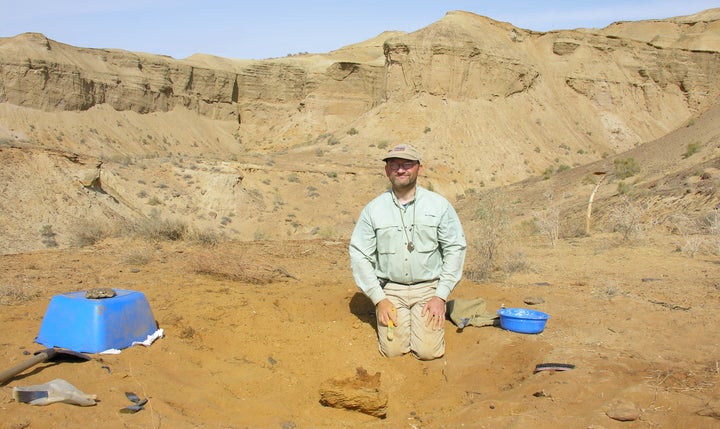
{"points": [[385, 312], [435, 312]]}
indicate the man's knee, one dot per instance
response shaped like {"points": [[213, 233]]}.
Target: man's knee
{"points": [[387, 350], [429, 350], [428, 354]]}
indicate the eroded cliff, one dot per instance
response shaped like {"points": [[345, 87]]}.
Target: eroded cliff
{"points": [[226, 144]]}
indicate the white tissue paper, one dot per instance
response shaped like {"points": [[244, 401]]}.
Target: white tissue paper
{"points": [[148, 341]]}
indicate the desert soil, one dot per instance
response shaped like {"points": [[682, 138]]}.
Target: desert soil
{"points": [[253, 329]]}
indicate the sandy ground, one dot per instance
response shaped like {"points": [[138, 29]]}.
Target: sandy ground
{"points": [[252, 330]]}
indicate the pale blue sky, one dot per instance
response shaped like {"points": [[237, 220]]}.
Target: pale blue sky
{"points": [[275, 28]]}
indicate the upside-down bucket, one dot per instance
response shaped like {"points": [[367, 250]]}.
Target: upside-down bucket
{"points": [[92, 325]]}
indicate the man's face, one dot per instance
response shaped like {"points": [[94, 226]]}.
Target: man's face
{"points": [[402, 173]]}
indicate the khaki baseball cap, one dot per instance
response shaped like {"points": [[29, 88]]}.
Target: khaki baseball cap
{"points": [[403, 151]]}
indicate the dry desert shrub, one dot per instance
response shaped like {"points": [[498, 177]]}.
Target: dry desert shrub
{"points": [[492, 219], [206, 238], [156, 228], [691, 245], [14, 294], [141, 255], [625, 167], [48, 236], [713, 225], [548, 223], [236, 268], [691, 230], [609, 291], [517, 263], [86, 232], [627, 218], [547, 220]]}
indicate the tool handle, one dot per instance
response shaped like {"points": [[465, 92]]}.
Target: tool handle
{"points": [[22, 366]]}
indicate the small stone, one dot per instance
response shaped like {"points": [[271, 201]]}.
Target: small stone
{"points": [[533, 300], [624, 411], [100, 293]]}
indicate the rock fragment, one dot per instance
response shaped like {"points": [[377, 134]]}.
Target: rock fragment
{"points": [[359, 393], [624, 411]]}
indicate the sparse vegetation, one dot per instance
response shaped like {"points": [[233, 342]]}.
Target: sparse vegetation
{"points": [[627, 218], [625, 167], [138, 256], [492, 220], [237, 269], [278, 200], [516, 263], [623, 188], [691, 230], [312, 192], [692, 148], [17, 294], [547, 221], [90, 231], [610, 291], [713, 224], [548, 172], [48, 236], [156, 228], [691, 245]]}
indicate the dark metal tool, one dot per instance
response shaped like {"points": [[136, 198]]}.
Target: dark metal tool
{"points": [[47, 355]]}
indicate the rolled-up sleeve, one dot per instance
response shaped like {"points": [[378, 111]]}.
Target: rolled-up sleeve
{"points": [[363, 249]]}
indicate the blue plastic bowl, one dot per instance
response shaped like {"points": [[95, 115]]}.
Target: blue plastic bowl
{"points": [[523, 320], [95, 325]]}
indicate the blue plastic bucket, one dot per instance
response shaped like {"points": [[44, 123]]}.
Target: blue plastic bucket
{"points": [[523, 320], [77, 323]]}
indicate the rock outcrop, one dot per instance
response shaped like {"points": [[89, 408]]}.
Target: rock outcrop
{"points": [[44, 74], [112, 137], [665, 67]]}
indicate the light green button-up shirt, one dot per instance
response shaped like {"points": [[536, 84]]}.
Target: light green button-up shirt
{"points": [[379, 243]]}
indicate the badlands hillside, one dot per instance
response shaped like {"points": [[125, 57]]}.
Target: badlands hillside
{"points": [[97, 141], [225, 190]]}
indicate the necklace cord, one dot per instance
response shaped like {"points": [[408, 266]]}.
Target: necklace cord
{"points": [[410, 239]]}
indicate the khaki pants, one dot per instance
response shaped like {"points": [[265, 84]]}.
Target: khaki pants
{"points": [[411, 333]]}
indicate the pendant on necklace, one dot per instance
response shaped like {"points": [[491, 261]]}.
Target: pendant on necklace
{"points": [[410, 247]]}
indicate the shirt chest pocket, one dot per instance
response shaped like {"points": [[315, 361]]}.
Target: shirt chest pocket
{"points": [[426, 237], [389, 238]]}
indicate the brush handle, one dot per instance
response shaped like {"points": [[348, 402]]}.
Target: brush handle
{"points": [[22, 366]]}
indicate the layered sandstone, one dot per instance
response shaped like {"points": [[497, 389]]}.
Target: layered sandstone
{"points": [[250, 149]]}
